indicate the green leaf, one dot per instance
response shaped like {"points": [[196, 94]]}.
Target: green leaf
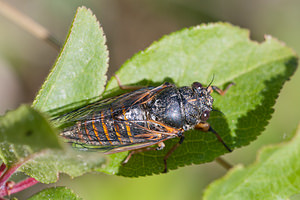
{"points": [[79, 72], [27, 137], [56, 193], [78, 76], [198, 54], [46, 167], [29, 131], [275, 175]]}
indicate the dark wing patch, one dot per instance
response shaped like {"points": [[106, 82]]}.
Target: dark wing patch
{"points": [[126, 101]]}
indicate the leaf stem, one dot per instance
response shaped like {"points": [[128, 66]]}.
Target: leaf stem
{"points": [[2, 168], [223, 163], [22, 185], [8, 174], [13, 188]]}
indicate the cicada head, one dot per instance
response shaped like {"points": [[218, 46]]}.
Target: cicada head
{"points": [[197, 104], [204, 100]]}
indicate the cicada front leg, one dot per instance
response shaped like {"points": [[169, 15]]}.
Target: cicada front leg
{"points": [[204, 126], [220, 91]]}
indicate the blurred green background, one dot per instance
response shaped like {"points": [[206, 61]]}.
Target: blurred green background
{"points": [[131, 26]]}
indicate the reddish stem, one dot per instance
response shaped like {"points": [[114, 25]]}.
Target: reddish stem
{"points": [[8, 173], [2, 168], [22, 185]]}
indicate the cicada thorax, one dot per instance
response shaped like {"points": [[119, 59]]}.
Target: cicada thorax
{"points": [[166, 107], [182, 107]]}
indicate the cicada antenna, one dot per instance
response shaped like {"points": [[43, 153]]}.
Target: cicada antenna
{"points": [[212, 80], [217, 111]]}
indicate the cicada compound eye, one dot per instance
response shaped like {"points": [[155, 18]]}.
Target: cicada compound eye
{"points": [[197, 85], [204, 116]]}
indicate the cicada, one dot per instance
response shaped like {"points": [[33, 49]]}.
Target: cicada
{"points": [[137, 120]]}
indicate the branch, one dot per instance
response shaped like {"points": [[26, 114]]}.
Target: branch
{"points": [[28, 24]]}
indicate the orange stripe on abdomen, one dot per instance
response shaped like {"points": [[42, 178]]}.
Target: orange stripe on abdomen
{"points": [[96, 131], [87, 131], [105, 128], [116, 129]]}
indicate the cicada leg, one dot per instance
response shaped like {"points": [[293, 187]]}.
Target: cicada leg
{"points": [[221, 92], [160, 146], [204, 126], [171, 151], [127, 87]]}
